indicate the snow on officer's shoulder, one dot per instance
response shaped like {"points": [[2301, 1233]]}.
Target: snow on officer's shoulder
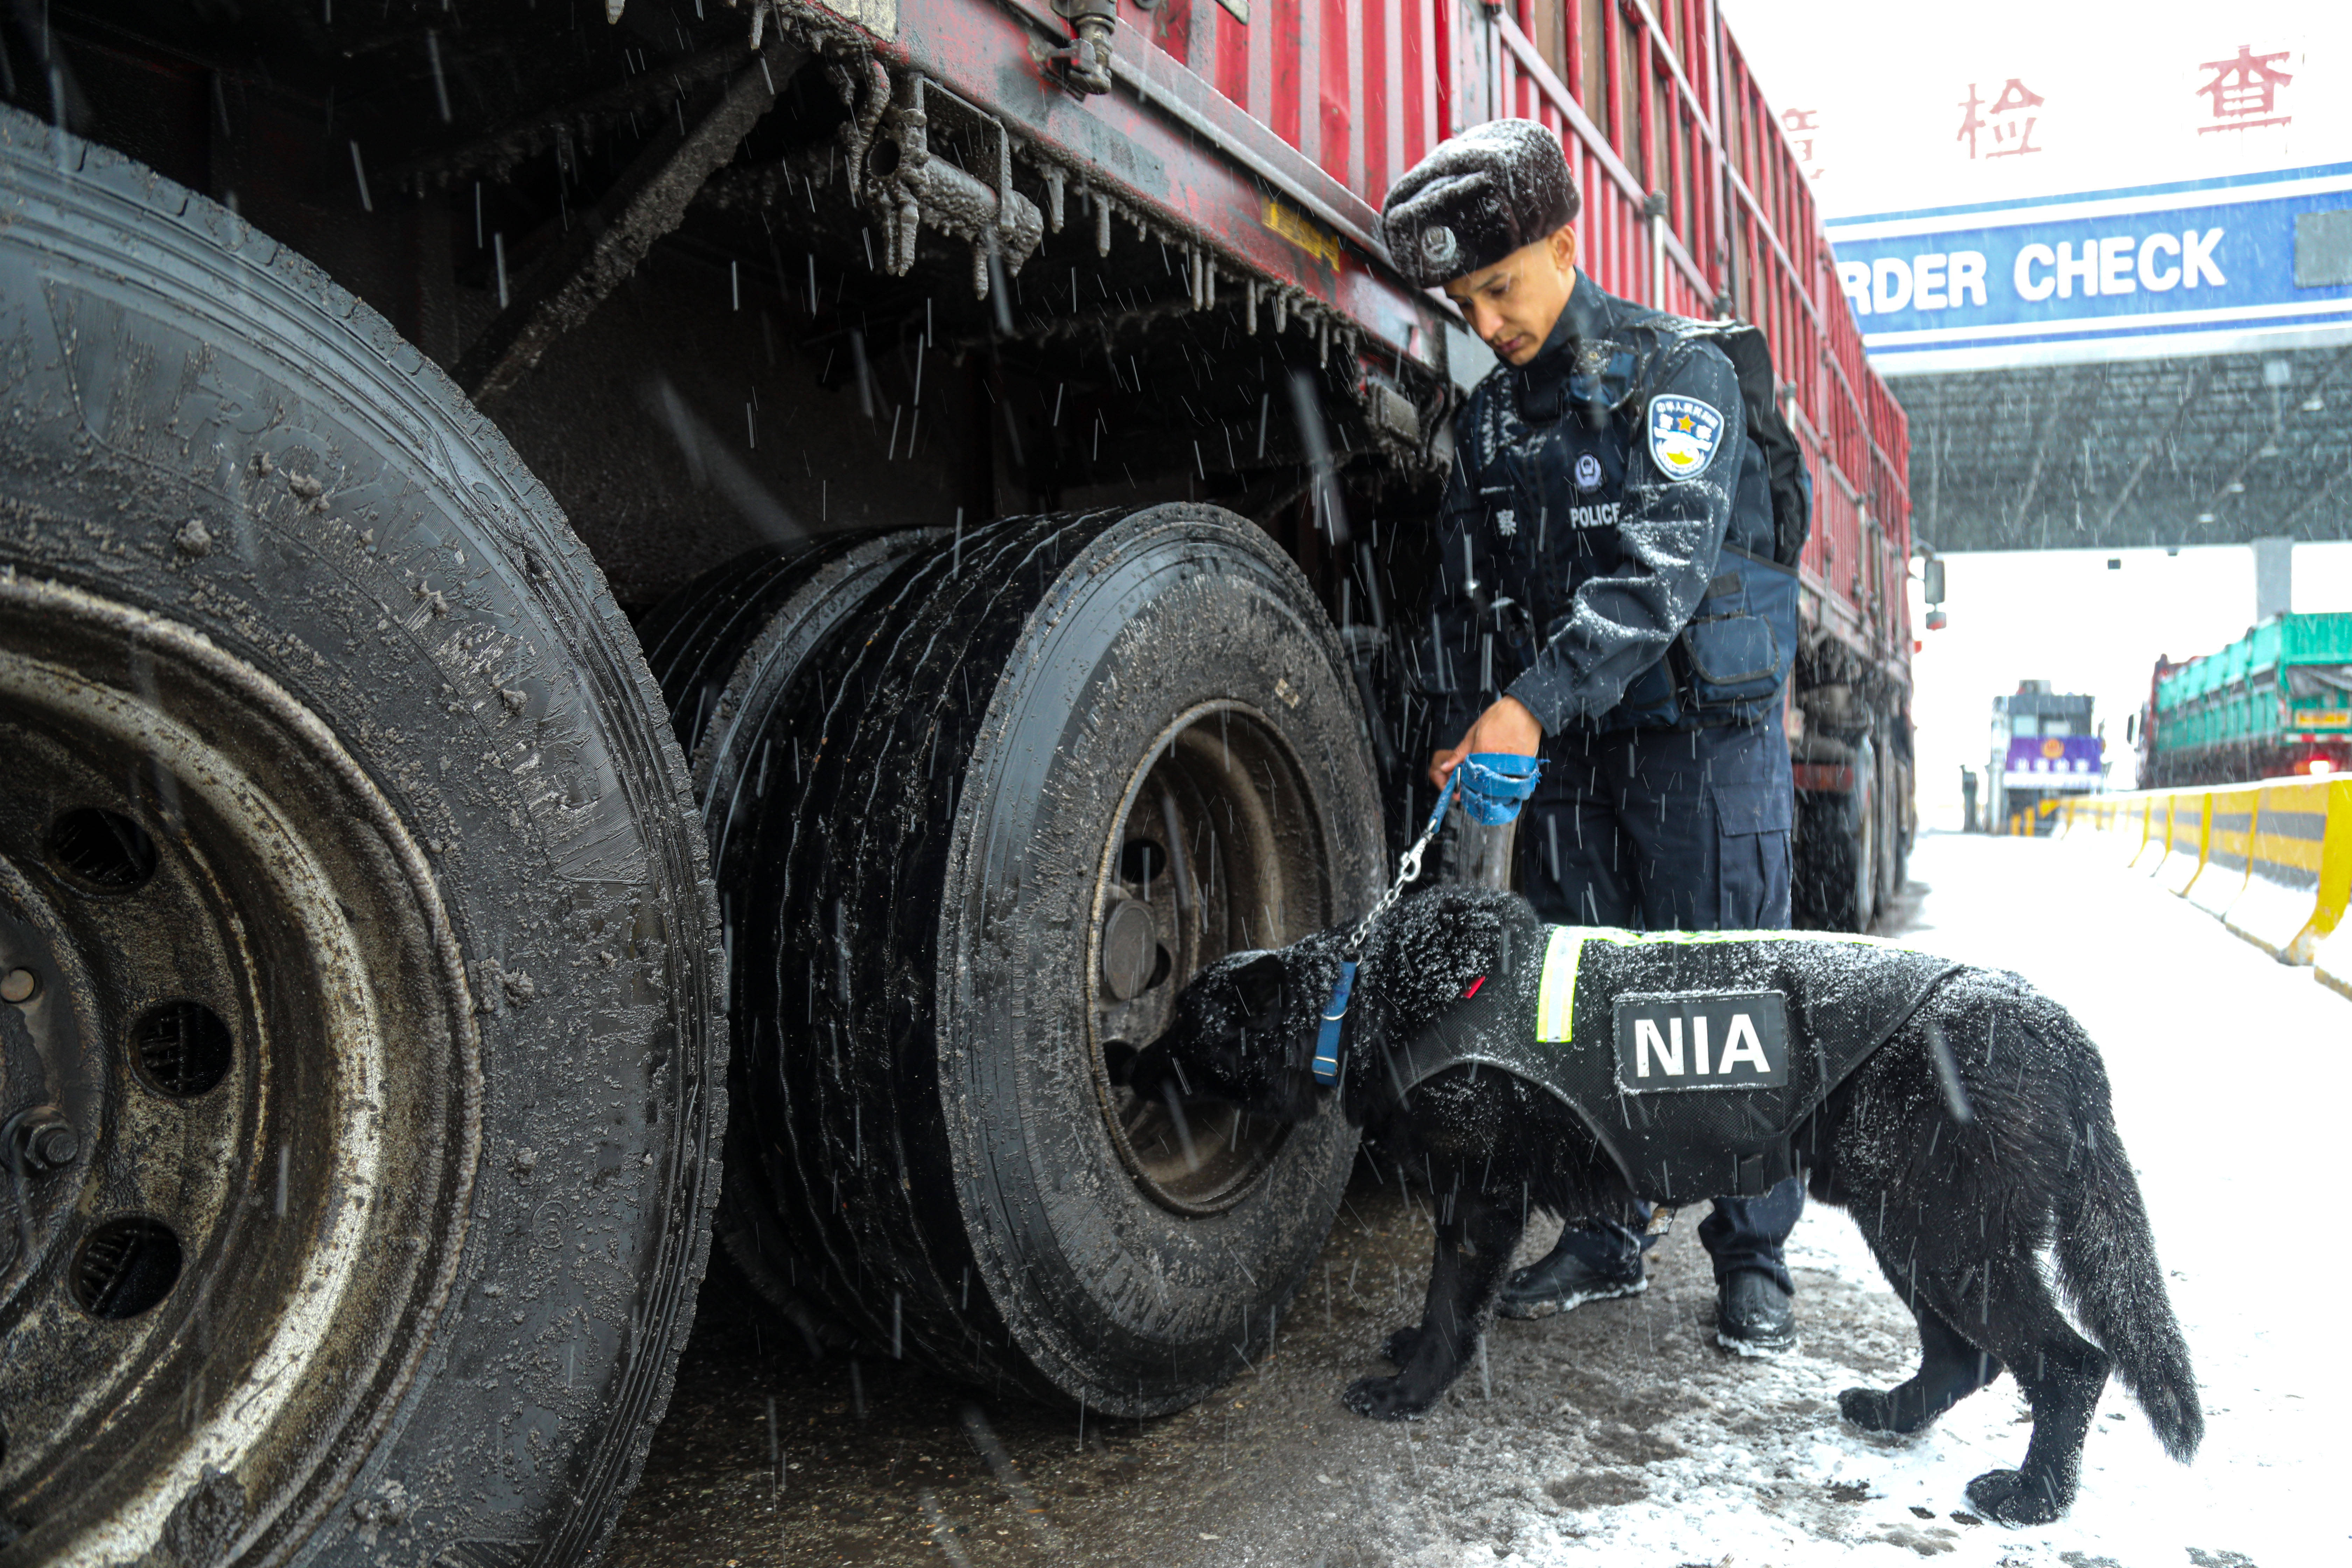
{"points": [[1476, 199]]}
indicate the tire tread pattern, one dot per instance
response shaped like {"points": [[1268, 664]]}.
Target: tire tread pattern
{"points": [[105, 215]]}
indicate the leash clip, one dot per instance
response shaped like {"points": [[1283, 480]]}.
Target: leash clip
{"points": [[1327, 1039], [1497, 793]]}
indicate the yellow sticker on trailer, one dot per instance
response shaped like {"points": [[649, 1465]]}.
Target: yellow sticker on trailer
{"points": [[1302, 231]]}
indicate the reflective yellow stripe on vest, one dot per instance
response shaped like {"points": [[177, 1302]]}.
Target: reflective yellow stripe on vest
{"points": [[1556, 1000]]}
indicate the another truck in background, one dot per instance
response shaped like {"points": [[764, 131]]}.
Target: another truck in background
{"points": [[2044, 748], [2276, 704]]}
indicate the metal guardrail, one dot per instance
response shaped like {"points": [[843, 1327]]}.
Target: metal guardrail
{"points": [[2273, 861]]}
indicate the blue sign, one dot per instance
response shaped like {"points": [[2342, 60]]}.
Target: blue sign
{"points": [[2200, 267]]}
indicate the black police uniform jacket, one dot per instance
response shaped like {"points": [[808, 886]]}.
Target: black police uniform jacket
{"points": [[1693, 1057], [1606, 538]]}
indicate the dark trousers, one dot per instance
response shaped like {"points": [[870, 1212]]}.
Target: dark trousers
{"points": [[1670, 830], [1741, 1233]]}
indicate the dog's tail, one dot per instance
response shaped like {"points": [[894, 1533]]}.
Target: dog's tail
{"points": [[2106, 1260]]}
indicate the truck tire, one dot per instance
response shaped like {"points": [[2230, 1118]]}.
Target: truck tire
{"points": [[1857, 843], [724, 648], [781, 596], [1837, 866], [365, 970], [947, 878], [1894, 832]]}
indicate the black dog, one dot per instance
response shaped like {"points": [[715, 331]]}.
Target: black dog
{"points": [[1959, 1116]]}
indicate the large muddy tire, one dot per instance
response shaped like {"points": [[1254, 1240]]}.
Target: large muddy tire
{"points": [[1893, 828], [360, 979], [1849, 846], [1838, 867], [785, 597], [725, 648], [946, 861]]}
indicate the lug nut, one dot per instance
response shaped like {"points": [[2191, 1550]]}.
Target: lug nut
{"points": [[56, 1146], [41, 1140], [19, 986]]}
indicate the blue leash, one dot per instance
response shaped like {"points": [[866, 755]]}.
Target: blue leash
{"points": [[1499, 783], [1335, 1014]]}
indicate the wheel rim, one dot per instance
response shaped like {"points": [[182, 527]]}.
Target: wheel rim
{"points": [[1212, 852], [249, 1010]]}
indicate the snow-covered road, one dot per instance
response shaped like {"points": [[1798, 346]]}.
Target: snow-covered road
{"points": [[1619, 1433], [2233, 1088]]}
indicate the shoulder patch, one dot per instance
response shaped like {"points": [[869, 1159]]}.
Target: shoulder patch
{"points": [[1683, 435]]}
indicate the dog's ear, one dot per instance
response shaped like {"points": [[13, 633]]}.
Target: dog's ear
{"points": [[1259, 984]]}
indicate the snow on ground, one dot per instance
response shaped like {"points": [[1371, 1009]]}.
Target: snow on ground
{"points": [[2230, 1078], [1620, 1434]]}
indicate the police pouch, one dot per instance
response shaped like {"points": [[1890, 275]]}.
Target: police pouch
{"points": [[1735, 653]]}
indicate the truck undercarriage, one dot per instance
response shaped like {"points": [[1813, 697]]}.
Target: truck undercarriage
{"points": [[529, 529]]}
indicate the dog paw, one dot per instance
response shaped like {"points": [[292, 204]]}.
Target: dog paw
{"points": [[1383, 1399], [1871, 1409], [1398, 1346], [2013, 1497], [1895, 1411]]}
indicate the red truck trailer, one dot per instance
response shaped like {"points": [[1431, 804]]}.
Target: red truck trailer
{"points": [[621, 621]]}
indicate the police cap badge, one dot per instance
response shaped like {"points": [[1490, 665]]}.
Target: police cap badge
{"points": [[1476, 199]]}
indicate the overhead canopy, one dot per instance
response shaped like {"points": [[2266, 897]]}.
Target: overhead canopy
{"points": [[2204, 450]]}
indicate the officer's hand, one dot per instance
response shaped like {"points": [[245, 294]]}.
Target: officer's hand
{"points": [[1507, 726]]}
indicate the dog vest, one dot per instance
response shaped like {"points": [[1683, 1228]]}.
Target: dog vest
{"points": [[1693, 1057]]}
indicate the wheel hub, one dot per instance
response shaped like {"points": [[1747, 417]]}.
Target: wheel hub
{"points": [[50, 1087], [1212, 853], [228, 1198]]}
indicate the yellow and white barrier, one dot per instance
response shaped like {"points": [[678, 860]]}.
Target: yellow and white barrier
{"points": [[2128, 825], [2137, 820], [2087, 816], [2185, 840], [2278, 910], [2230, 815], [2328, 941], [2273, 861], [2156, 837]]}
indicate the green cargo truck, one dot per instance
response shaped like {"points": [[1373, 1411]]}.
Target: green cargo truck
{"points": [[2276, 702]]}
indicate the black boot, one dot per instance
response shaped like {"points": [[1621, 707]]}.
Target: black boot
{"points": [[1752, 1314], [1586, 1266]]}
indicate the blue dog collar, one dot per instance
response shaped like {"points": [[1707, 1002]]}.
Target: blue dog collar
{"points": [[1326, 1040]]}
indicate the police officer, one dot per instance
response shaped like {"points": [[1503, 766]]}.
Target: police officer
{"points": [[1610, 599]]}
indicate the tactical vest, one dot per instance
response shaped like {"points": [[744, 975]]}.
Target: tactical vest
{"points": [[1550, 450], [1693, 1057]]}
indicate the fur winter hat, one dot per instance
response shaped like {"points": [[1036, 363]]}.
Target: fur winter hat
{"points": [[1476, 199]]}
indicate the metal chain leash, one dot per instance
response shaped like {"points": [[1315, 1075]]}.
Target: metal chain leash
{"points": [[1408, 868]]}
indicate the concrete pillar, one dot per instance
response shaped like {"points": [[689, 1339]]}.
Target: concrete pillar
{"points": [[2274, 578]]}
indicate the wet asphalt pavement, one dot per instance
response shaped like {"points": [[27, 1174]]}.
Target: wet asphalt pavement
{"points": [[886, 1462]]}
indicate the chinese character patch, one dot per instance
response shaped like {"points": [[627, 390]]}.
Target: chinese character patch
{"points": [[1683, 433]]}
